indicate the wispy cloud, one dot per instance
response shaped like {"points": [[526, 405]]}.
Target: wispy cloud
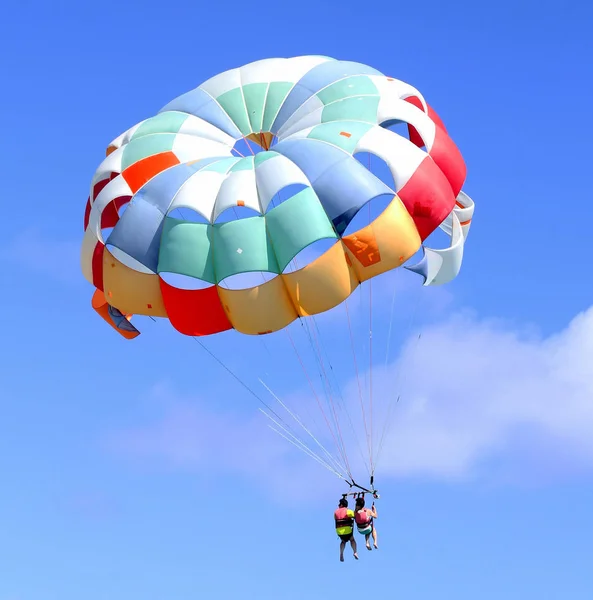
{"points": [[474, 393], [37, 251], [482, 393], [191, 435]]}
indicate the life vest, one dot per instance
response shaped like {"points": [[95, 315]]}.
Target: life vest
{"points": [[362, 517], [344, 521]]}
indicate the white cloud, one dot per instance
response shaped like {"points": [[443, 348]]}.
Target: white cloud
{"points": [[479, 398], [193, 435], [479, 391]]}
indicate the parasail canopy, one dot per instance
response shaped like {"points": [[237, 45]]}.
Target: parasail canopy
{"points": [[248, 170], [309, 116]]}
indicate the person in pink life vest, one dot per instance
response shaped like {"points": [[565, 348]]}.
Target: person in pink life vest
{"points": [[344, 520], [364, 518]]}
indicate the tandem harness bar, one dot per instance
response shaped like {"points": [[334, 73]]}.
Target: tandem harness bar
{"points": [[362, 489]]}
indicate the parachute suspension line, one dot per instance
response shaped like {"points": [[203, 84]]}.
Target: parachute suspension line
{"points": [[337, 465], [388, 419], [398, 374], [327, 388], [366, 431], [341, 396], [248, 145], [285, 426], [371, 352], [340, 448], [391, 323], [276, 199], [326, 385], [371, 371], [300, 447], [300, 444], [319, 350], [234, 375], [281, 422], [327, 381], [297, 445], [383, 433], [266, 348]]}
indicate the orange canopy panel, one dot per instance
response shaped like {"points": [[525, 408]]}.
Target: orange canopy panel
{"points": [[115, 318]]}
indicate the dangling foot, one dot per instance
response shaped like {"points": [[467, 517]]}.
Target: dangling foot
{"points": [[356, 556], [368, 546], [341, 558], [376, 547]]}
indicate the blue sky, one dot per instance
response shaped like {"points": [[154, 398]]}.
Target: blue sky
{"points": [[140, 470]]}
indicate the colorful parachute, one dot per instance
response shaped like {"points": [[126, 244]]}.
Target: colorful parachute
{"points": [[309, 116], [166, 230]]}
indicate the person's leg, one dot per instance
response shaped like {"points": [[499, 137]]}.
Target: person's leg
{"points": [[367, 539], [375, 537], [353, 544], [342, 546]]}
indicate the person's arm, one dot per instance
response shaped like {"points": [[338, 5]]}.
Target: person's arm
{"points": [[374, 512]]}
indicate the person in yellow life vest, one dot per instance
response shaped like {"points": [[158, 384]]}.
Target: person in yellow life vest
{"points": [[344, 519], [365, 523]]}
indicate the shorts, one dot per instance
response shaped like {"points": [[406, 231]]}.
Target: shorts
{"points": [[346, 537], [366, 529]]}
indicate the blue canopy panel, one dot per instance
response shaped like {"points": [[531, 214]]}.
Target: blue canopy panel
{"points": [[138, 232], [342, 184], [199, 103], [314, 81]]}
